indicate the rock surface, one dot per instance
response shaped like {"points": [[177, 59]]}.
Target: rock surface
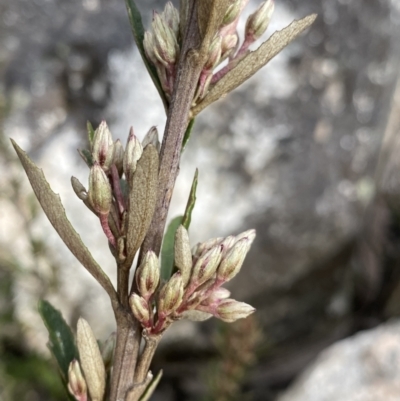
{"points": [[365, 367]]}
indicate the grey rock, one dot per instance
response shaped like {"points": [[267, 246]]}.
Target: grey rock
{"points": [[365, 367]]}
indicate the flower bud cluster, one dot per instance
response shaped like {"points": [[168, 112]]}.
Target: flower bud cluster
{"points": [[112, 168], [195, 290], [162, 47], [162, 44]]}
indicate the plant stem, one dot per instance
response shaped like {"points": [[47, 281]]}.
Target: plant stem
{"points": [[189, 69], [126, 353]]}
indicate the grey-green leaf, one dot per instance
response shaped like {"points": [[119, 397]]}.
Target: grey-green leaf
{"points": [[55, 212], [187, 217], [254, 61], [61, 340], [167, 250], [142, 201], [151, 387], [137, 27]]}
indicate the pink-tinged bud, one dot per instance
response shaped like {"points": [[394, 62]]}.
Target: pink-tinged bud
{"points": [[171, 16], [227, 244], [148, 275], [76, 382], [206, 266], [258, 22], [218, 295], [233, 261], [99, 195], [214, 54], [166, 45], [232, 12], [140, 309], [151, 138], [103, 146], [230, 310], [133, 153], [149, 46], [183, 255], [118, 158], [229, 44], [170, 296], [79, 189]]}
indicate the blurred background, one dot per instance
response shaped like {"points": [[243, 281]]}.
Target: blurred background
{"points": [[306, 152]]}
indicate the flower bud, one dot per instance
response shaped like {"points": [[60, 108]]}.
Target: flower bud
{"points": [[258, 22], [79, 189], [118, 158], [183, 255], [232, 12], [171, 16], [102, 151], [196, 315], [151, 138], [99, 195], [206, 266], [76, 382], [227, 244], [232, 262], [148, 275], [166, 45], [133, 153], [230, 310], [214, 54], [91, 361], [249, 234], [218, 295], [149, 46], [203, 247], [140, 309], [229, 43], [170, 296]]}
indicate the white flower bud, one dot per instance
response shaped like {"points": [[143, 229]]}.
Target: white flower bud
{"points": [[140, 309], [170, 296], [183, 255], [230, 310], [258, 22], [206, 266], [76, 382], [133, 153], [99, 195], [148, 275], [103, 146]]}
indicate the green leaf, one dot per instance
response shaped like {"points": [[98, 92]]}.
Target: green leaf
{"points": [[151, 387], [136, 22], [90, 131], [86, 156], [187, 134], [55, 212], [61, 340], [167, 251], [187, 217]]}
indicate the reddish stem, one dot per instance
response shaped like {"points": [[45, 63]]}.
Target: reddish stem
{"points": [[106, 229], [117, 189]]}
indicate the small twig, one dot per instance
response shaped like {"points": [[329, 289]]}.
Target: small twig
{"points": [[146, 357], [106, 228]]}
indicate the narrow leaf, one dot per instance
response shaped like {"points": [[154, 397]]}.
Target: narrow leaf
{"points": [[187, 217], [86, 156], [142, 200], [254, 61], [151, 387], [55, 212], [61, 340], [187, 134], [137, 27], [90, 131], [167, 250]]}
